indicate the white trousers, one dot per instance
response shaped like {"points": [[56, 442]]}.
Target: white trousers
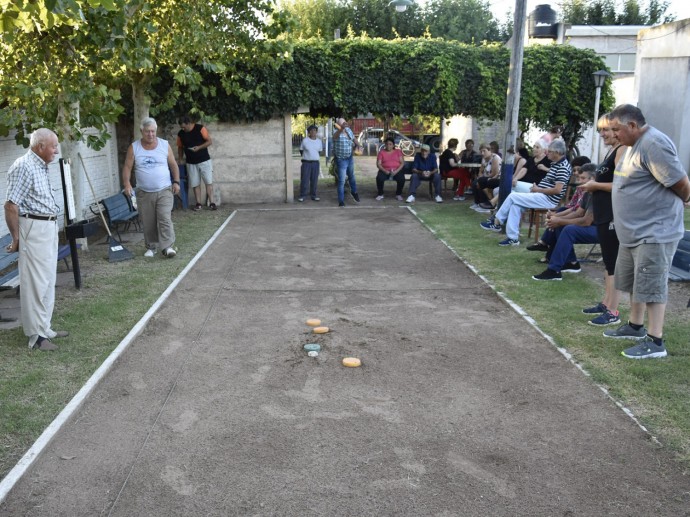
{"points": [[38, 246], [511, 210]]}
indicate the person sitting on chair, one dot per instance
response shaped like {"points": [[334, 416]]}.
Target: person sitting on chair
{"points": [[546, 195], [568, 227], [390, 162], [424, 168], [449, 163], [489, 178]]}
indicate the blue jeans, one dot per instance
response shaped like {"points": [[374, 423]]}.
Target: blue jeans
{"points": [[563, 252], [346, 168]]}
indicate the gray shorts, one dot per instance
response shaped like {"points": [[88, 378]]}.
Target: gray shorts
{"points": [[643, 271], [198, 171]]}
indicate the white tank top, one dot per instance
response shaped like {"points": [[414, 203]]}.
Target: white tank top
{"points": [[151, 167]]}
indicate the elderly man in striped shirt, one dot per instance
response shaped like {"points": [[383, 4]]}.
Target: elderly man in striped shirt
{"points": [[546, 195]]}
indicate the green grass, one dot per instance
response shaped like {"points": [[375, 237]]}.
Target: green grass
{"points": [[658, 391]]}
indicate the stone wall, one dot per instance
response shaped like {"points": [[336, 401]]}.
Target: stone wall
{"points": [[250, 161]]}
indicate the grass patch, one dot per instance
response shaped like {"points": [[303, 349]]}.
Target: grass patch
{"points": [[657, 390]]}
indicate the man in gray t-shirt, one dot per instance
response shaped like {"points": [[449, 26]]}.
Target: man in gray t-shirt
{"points": [[649, 189]]}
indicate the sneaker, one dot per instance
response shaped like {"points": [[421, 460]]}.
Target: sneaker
{"points": [[300, 199], [481, 210], [597, 309], [341, 204], [316, 198], [355, 196], [645, 349], [571, 267], [474, 206], [399, 198], [459, 198], [197, 207], [379, 198], [150, 254], [548, 274], [169, 252], [487, 206], [509, 242], [626, 332], [605, 318], [213, 206], [438, 199], [410, 199], [537, 246], [490, 225]]}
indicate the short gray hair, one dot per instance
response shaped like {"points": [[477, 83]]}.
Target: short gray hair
{"points": [[558, 146], [40, 136], [148, 121]]}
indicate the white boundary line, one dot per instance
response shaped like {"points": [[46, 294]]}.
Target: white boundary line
{"points": [[568, 357], [42, 442]]}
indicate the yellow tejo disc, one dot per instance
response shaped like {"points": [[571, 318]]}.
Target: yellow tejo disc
{"points": [[351, 362], [313, 322], [320, 330]]}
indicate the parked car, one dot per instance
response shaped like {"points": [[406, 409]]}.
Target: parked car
{"points": [[374, 136]]}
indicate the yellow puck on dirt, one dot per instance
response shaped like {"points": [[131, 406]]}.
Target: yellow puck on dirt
{"points": [[320, 330], [313, 322], [351, 362]]}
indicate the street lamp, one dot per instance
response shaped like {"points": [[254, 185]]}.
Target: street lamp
{"points": [[599, 80], [401, 5]]}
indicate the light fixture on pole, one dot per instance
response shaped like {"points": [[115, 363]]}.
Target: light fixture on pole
{"points": [[599, 80], [401, 5]]}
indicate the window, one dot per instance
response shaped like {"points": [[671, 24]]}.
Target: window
{"points": [[620, 62]]}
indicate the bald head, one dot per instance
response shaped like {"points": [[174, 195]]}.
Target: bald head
{"points": [[44, 143]]}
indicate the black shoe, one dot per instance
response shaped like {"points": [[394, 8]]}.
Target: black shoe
{"points": [[355, 196], [538, 246], [548, 274], [341, 204], [571, 267]]}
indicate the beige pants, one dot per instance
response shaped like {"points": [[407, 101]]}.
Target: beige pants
{"points": [[38, 246], [155, 209]]}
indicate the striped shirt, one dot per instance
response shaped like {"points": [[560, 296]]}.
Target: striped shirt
{"points": [[28, 186], [558, 173], [342, 146]]}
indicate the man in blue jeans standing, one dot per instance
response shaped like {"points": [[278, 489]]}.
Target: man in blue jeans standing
{"points": [[344, 143]]}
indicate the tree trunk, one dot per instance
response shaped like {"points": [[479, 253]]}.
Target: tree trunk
{"points": [[70, 147], [140, 99]]}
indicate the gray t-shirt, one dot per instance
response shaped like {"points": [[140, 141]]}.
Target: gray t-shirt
{"points": [[645, 209]]}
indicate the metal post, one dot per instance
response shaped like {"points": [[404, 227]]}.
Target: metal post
{"points": [[513, 95], [595, 137]]}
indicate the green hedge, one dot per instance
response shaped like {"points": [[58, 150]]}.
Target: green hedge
{"points": [[405, 77]]}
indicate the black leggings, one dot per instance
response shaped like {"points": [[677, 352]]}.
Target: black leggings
{"points": [[399, 179], [480, 184], [608, 240]]}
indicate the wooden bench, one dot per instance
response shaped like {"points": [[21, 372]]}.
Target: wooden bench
{"points": [[9, 273], [119, 211]]}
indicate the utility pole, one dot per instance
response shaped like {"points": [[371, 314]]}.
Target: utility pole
{"points": [[513, 95]]}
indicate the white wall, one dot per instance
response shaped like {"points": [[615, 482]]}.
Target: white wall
{"points": [[663, 82], [101, 166]]}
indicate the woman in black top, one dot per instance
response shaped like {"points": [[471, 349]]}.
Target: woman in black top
{"points": [[600, 187]]}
